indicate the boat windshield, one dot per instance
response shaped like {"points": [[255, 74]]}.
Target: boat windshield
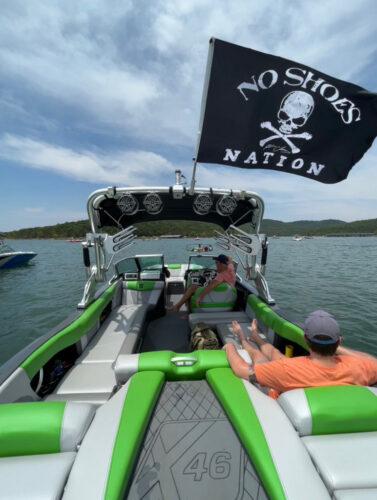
{"points": [[140, 263], [201, 262], [4, 247]]}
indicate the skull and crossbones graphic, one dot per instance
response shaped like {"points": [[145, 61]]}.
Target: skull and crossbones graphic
{"points": [[295, 109]]}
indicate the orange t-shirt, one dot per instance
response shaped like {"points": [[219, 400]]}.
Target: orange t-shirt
{"points": [[293, 373]]}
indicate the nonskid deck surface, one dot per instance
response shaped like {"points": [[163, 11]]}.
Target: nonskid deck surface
{"points": [[169, 332], [191, 451]]}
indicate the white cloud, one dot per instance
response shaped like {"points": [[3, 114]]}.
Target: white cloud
{"points": [[135, 70], [139, 69], [121, 167], [290, 197]]}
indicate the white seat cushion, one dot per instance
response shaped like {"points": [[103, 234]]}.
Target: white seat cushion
{"points": [[214, 318], [35, 477], [227, 335], [88, 378], [345, 461], [368, 494]]}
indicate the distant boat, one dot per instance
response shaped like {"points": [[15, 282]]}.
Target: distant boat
{"points": [[10, 258], [297, 238], [171, 236], [75, 240]]}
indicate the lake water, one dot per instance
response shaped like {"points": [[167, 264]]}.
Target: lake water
{"points": [[335, 274]]}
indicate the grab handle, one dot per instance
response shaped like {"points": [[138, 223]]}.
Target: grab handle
{"points": [[184, 360]]}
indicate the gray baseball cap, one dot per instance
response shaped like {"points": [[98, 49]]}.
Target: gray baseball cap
{"points": [[321, 323]]}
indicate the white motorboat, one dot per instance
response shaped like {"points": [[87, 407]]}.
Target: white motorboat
{"points": [[112, 404]]}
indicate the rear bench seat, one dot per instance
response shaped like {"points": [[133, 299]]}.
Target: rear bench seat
{"points": [[92, 378], [269, 322], [38, 445], [338, 427]]}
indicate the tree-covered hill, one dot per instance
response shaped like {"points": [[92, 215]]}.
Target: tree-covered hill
{"points": [[191, 229]]}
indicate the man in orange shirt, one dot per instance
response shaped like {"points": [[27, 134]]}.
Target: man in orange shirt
{"points": [[326, 364]]}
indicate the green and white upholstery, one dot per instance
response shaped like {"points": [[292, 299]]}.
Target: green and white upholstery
{"points": [[38, 445], [221, 298], [269, 439], [146, 292], [107, 454], [93, 375], [338, 427]]}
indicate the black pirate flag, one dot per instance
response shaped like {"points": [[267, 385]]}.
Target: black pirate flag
{"points": [[263, 111]]}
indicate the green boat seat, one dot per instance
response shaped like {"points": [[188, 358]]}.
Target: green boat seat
{"points": [[146, 292], [338, 427], [269, 439], [107, 454], [93, 375], [221, 298], [38, 445], [175, 366]]}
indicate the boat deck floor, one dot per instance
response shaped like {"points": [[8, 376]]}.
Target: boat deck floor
{"points": [[169, 332]]}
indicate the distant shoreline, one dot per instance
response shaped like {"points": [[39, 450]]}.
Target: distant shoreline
{"points": [[192, 229]]}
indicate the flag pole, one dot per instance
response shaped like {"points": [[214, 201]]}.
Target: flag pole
{"points": [[202, 110]]}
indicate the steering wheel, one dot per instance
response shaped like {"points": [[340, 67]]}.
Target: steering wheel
{"points": [[201, 276]]}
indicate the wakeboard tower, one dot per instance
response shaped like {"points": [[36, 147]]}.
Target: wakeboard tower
{"points": [[112, 404]]}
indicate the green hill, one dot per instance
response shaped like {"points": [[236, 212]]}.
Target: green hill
{"points": [[189, 228]]}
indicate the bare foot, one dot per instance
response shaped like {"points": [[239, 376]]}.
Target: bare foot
{"points": [[254, 335], [172, 308], [238, 330]]}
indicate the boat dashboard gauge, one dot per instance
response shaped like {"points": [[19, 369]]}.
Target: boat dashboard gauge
{"points": [[152, 203], [226, 205], [202, 204], [128, 204]]}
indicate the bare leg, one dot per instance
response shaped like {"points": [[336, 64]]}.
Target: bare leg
{"points": [[268, 349], [190, 291], [237, 364], [255, 355]]}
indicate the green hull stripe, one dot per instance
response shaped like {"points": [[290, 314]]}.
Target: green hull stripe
{"points": [[161, 361], [232, 394], [30, 428], [139, 403], [142, 286], [281, 326], [68, 336], [341, 409], [174, 266]]}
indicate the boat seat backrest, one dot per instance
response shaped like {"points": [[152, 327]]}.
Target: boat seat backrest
{"points": [[338, 427], [142, 292], [108, 452], [256, 308], [221, 298], [38, 445], [331, 409], [189, 366], [42, 427], [177, 270]]}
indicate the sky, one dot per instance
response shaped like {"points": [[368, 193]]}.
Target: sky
{"points": [[97, 93]]}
